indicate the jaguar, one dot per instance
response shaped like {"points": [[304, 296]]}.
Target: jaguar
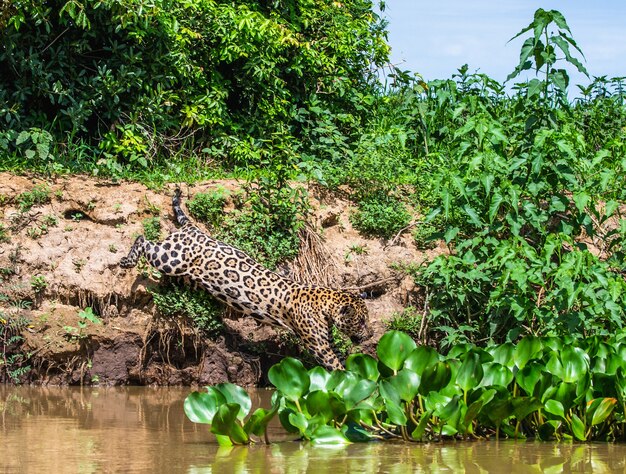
{"points": [[237, 280]]}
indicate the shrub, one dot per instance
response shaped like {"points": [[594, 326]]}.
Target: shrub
{"points": [[380, 215], [174, 300], [208, 207]]}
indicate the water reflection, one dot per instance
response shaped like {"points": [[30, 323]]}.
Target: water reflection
{"points": [[142, 429]]}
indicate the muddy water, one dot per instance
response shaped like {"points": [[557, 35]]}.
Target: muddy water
{"points": [[139, 429]]}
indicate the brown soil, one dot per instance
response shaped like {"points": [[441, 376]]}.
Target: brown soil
{"points": [[77, 259]]}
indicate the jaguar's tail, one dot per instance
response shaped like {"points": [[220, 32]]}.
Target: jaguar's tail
{"points": [[181, 217]]}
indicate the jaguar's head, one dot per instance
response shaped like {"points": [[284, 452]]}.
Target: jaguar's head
{"points": [[352, 318]]}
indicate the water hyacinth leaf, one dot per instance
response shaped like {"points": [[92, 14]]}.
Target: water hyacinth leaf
{"points": [[569, 365], [498, 410], [578, 428], [235, 394], [598, 410], [318, 403], [328, 435], [364, 365], [528, 377], [201, 407], [258, 421], [524, 406], [283, 416], [470, 373], [358, 392], [318, 378], [435, 377], [225, 423], [503, 354], [451, 412], [299, 420], [458, 351], [418, 433], [393, 349], [406, 384], [620, 385], [475, 408], [496, 374], [395, 413], [420, 359], [555, 407], [389, 392], [290, 377], [527, 348], [435, 401], [566, 394]]}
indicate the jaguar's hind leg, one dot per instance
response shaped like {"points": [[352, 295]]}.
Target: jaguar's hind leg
{"points": [[136, 251]]}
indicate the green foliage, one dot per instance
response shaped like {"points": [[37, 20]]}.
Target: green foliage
{"points": [[116, 87], [40, 194], [268, 225], [546, 388], [4, 234], [38, 283], [13, 360], [380, 215], [86, 317], [152, 228], [208, 207], [408, 321], [198, 306], [539, 52], [523, 189]]}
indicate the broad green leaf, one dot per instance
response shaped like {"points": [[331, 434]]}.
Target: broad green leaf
{"points": [[225, 423], [503, 354], [420, 359], [299, 420], [578, 428], [328, 435], [395, 413], [435, 377], [393, 348], [496, 374], [524, 406], [290, 377], [527, 348], [554, 407], [318, 378], [358, 392], [364, 365], [420, 429], [201, 407], [318, 402], [258, 421], [470, 373], [234, 394], [406, 383], [599, 410]]}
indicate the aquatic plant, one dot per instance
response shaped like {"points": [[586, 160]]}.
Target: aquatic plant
{"points": [[542, 387]]}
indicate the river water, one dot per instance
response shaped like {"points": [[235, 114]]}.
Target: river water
{"points": [[143, 429]]}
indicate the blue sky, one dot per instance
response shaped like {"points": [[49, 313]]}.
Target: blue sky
{"points": [[435, 38]]}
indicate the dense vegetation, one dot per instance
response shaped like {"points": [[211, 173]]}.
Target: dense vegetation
{"points": [[524, 185], [548, 388]]}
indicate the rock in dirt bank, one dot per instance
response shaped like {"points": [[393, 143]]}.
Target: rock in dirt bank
{"points": [[71, 315]]}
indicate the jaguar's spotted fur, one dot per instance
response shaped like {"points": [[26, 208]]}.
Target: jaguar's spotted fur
{"points": [[239, 281]]}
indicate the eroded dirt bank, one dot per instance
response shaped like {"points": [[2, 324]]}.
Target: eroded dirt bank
{"points": [[60, 257]]}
